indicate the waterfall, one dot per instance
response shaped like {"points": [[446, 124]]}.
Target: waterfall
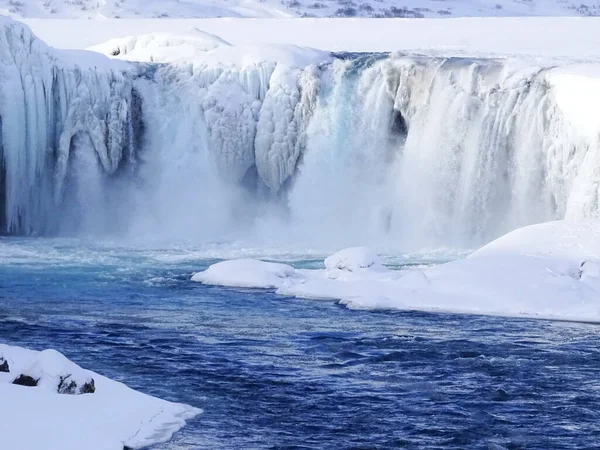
{"points": [[388, 149]]}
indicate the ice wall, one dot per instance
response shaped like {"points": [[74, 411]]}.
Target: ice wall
{"points": [[48, 107], [364, 149]]}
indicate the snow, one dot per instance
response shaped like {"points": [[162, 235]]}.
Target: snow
{"points": [[308, 8], [112, 417], [205, 49], [161, 47], [571, 39], [549, 270], [92, 9], [577, 92], [247, 273]]}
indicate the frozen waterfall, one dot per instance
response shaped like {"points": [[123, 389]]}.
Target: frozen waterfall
{"points": [[410, 151]]}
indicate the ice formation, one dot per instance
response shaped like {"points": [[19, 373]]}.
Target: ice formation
{"points": [[199, 138], [53, 112]]}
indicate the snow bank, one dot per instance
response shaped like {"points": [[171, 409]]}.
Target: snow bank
{"points": [[112, 417], [541, 271], [550, 270], [572, 38], [161, 47], [545, 271], [248, 273], [202, 48]]}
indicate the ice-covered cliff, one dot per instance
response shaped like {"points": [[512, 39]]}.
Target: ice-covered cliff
{"points": [[53, 113], [197, 138]]}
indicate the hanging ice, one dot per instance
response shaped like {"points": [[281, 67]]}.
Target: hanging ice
{"points": [[45, 103]]}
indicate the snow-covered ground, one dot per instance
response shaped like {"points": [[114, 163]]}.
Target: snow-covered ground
{"points": [[56, 415], [296, 8], [550, 270], [571, 38]]}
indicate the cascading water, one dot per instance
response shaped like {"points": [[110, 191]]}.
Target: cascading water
{"points": [[368, 149]]}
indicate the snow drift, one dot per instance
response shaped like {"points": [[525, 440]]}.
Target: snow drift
{"points": [[550, 270], [196, 138], [248, 273], [112, 417]]}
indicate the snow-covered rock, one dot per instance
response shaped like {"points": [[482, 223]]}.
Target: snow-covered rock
{"points": [[112, 417], [51, 370], [249, 273], [354, 259]]}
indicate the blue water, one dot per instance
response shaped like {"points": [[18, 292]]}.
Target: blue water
{"points": [[281, 373]]}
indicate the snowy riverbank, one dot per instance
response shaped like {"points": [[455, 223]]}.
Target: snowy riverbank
{"points": [[550, 270], [71, 408]]}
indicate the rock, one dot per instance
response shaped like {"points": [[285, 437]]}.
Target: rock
{"points": [[589, 270], [500, 395], [4, 365], [67, 387], [88, 388], [25, 380]]}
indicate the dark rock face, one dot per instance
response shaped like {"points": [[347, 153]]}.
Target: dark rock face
{"points": [[69, 386], [4, 365], [25, 380], [88, 388]]}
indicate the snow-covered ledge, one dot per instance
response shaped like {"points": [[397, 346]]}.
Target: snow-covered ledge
{"points": [[549, 270], [55, 404]]}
